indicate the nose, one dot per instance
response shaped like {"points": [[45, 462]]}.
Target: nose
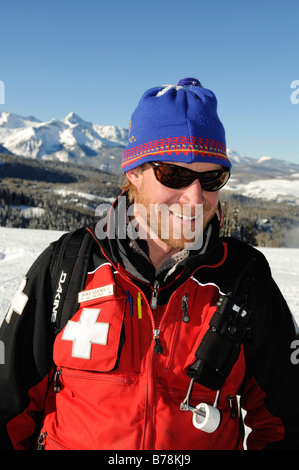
{"points": [[192, 194]]}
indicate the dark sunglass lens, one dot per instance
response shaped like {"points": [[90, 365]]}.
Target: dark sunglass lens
{"points": [[172, 176], [174, 181], [214, 180]]}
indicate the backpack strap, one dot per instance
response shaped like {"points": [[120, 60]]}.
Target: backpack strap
{"points": [[68, 273], [220, 347]]}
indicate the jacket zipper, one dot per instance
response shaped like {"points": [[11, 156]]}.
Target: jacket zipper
{"points": [[43, 437], [233, 408], [157, 350], [56, 381], [154, 300], [186, 318], [86, 375], [41, 441]]}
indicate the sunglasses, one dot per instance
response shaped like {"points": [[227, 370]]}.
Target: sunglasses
{"points": [[179, 177]]}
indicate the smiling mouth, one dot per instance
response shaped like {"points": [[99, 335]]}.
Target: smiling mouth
{"points": [[184, 217]]}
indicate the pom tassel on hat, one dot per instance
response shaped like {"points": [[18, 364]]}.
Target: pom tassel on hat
{"points": [[189, 82]]}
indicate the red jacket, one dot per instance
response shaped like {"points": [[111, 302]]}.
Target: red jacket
{"points": [[101, 385]]}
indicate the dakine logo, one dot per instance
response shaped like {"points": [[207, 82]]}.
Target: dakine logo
{"points": [[57, 297]]}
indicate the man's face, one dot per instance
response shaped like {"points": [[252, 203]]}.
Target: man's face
{"points": [[174, 216]]}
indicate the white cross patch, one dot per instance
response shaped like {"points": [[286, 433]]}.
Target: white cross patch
{"points": [[18, 302], [86, 332]]}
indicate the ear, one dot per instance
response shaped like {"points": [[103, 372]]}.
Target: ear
{"points": [[134, 176]]}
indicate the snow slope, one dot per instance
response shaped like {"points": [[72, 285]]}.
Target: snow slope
{"points": [[267, 178], [20, 247], [281, 190]]}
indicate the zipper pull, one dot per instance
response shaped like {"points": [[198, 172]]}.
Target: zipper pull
{"points": [[158, 348], [185, 309], [56, 381], [41, 441], [233, 412], [154, 300]]}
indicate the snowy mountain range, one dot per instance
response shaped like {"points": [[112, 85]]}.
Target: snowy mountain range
{"points": [[266, 178], [75, 140], [71, 139]]}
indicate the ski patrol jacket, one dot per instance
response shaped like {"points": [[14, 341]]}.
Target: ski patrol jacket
{"points": [[116, 374]]}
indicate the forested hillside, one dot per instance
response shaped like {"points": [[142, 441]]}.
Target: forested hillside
{"points": [[52, 195]]}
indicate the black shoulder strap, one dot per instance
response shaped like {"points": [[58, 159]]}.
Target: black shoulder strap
{"points": [[68, 273], [220, 346]]}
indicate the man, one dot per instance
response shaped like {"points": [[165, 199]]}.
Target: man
{"points": [[173, 323]]}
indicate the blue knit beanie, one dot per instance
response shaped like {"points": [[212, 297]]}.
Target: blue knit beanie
{"points": [[176, 123]]}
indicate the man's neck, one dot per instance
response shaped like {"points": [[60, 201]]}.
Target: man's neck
{"points": [[159, 251]]}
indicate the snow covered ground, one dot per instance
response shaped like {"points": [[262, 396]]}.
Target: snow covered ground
{"points": [[20, 247], [284, 190]]}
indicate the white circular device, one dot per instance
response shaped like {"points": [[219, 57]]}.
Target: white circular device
{"points": [[208, 419]]}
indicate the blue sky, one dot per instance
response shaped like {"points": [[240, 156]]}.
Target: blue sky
{"points": [[97, 57]]}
